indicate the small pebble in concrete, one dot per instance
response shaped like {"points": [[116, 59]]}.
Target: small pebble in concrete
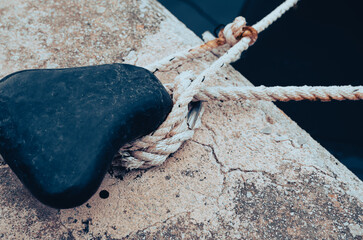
{"points": [[281, 138], [301, 141], [266, 130]]}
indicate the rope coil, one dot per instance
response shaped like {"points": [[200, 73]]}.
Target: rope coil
{"points": [[154, 149]]}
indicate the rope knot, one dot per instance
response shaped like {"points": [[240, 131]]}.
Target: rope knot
{"points": [[237, 30], [232, 34]]}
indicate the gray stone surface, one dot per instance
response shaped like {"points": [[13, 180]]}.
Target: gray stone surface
{"points": [[249, 173]]}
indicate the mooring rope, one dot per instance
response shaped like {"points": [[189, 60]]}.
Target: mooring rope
{"points": [[154, 149], [283, 94]]}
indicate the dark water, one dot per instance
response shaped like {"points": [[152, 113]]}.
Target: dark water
{"points": [[317, 43]]}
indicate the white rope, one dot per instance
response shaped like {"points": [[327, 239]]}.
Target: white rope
{"points": [[283, 94], [180, 56], [154, 149], [274, 15]]}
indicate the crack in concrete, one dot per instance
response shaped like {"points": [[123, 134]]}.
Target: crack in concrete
{"points": [[225, 171], [220, 164], [211, 130], [209, 146]]}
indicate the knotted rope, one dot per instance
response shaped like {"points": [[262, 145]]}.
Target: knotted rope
{"points": [[154, 149]]}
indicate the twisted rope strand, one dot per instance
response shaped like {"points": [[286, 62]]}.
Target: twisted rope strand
{"points": [[274, 15], [283, 94]]}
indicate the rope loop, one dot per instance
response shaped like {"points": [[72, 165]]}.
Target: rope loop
{"points": [[189, 90], [180, 125]]}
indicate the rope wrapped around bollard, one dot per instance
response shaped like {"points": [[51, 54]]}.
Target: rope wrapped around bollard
{"points": [[154, 149]]}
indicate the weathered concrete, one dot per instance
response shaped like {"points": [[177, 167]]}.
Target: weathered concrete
{"points": [[249, 172]]}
